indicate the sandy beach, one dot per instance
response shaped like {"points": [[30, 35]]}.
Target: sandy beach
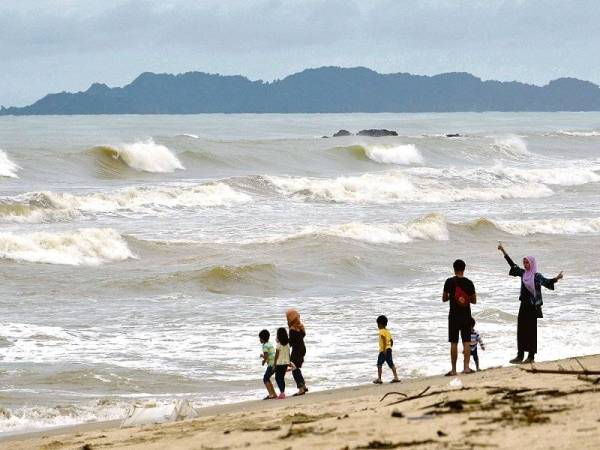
{"points": [[504, 407]]}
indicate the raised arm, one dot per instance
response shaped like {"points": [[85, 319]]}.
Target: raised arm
{"points": [[515, 270], [549, 283]]}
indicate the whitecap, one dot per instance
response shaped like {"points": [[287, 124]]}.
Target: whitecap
{"points": [[403, 154], [86, 246], [7, 167]]}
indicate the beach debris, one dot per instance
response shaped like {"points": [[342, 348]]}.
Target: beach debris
{"points": [[299, 418], [589, 379], [455, 383], [387, 444], [145, 414], [561, 372], [406, 397], [440, 433], [301, 431], [397, 413], [392, 393], [86, 447]]}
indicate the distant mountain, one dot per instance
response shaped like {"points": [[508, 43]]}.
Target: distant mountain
{"points": [[322, 90]]}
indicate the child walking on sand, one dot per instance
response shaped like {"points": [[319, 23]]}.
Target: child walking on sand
{"points": [[475, 339], [282, 360], [268, 358], [385, 350]]}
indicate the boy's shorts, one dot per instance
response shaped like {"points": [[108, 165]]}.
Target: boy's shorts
{"points": [[268, 374], [385, 357]]}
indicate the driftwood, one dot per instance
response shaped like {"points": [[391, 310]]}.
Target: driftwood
{"points": [[562, 372], [412, 397]]}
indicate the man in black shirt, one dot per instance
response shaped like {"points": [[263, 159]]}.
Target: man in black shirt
{"points": [[460, 291]]}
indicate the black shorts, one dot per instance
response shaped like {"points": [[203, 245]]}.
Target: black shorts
{"points": [[385, 357], [458, 327]]}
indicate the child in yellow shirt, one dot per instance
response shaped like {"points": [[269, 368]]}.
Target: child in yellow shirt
{"points": [[385, 350]]}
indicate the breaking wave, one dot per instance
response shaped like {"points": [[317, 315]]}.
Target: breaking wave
{"points": [[397, 187], [580, 133], [431, 227], [403, 154], [86, 246], [553, 176], [7, 167], [142, 156], [511, 146], [48, 206], [540, 226]]}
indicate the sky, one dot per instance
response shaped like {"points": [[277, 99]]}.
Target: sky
{"points": [[66, 45]]}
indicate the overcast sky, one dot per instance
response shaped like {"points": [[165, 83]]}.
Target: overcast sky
{"points": [[55, 45]]}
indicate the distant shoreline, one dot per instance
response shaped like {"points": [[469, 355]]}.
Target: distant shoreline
{"points": [[320, 90]]}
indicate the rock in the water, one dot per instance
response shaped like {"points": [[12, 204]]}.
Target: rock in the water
{"points": [[377, 133], [342, 133], [452, 135]]}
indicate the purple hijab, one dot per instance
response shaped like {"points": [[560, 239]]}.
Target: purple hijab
{"points": [[529, 275]]}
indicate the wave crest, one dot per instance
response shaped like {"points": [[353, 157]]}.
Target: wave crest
{"points": [[7, 167], [395, 187], [511, 146], [402, 154], [86, 246], [142, 156], [38, 207]]}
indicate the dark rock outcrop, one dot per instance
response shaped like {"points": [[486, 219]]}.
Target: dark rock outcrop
{"points": [[342, 133], [377, 133]]}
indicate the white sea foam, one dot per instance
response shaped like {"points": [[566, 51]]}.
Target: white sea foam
{"points": [[580, 133], [561, 176], [86, 246], [148, 156], [36, 417], [432, 227], [511, 146], [403, 154], [193, 136], [398, 187], [7, 167], [49, 206], [550, 226]]}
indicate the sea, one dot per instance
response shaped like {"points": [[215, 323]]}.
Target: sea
{"points": [[140, 256]]}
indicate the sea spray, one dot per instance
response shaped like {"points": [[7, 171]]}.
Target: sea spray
{"points": [[7, 167], [511, 146], [403, 154]]}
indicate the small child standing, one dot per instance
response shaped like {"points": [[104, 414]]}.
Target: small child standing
{"points": [[282, 360], [475, 339], [385, 350], [268, 358]]}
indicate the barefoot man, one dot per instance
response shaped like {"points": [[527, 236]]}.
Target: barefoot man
{"points": [[460, 291]]}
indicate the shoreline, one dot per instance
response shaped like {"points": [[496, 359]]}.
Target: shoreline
{"points": [[331, 418]]}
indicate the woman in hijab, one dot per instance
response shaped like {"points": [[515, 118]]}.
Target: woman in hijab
{"points": [[297, 334], [531, 304]]}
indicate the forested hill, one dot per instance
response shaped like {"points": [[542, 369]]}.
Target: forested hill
{"points": [[322, 90]]}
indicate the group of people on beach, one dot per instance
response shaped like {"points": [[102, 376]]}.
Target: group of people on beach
{"points": [[459, 291], [288, 354]]}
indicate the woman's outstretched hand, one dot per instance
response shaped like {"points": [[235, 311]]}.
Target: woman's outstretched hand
{"points": [[559, 276], [501, 248]]}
